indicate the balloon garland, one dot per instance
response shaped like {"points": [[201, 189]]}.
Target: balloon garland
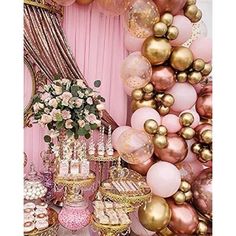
{"points": [[170, 138]]}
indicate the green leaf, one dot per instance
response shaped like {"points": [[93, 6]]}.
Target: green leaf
{"points": [[93, 126], [47, 139], [87, 127], [82, 131], [74, 90], [59, 124], [59, 117], [56, 77], [97, 83], [69, 133]]}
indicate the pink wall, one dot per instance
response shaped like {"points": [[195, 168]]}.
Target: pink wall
{"points": [[96, 42]]}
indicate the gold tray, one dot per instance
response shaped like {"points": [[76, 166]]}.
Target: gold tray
{"points": [[80, 182], [127, 198], [114, 157], [52, 228], [109, 230]]}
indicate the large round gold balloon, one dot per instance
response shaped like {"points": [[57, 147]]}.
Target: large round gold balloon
{"points": [[181, 58], [150, 103], [156, 50], [155, 214]]}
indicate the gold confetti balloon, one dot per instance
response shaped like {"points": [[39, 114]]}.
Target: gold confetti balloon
{"points": [[140, 17]]}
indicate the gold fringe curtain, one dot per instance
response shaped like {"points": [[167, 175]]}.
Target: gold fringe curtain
{"points": [[45, 45]]}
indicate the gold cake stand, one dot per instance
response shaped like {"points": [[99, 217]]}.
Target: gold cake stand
{"points": [[51, 230], [128, 199], [109, 230]]}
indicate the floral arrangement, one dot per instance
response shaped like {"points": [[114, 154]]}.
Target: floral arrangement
{"points": [[68, 105]]}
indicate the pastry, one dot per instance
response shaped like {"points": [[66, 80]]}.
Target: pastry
{"points": [[41, 216], [28, 226], [42, 205], [98, 204], [41, 224], [28, 217], [108, 204], [29, 211], [29, 205], [41, 210], [103, 219]]}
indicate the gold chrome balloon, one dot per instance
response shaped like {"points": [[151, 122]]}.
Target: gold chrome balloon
{"points": [[188, 195], [155, 214], [186, 119], [194, 77], [191, 11], [172, 33], [160, 141], [163, 110], [187, 133], [179, 197], [151, 126], [202, 228], [198, 65], [196, 148], [159, 97], [207, 69], [206, 155], [162, 130], [148, 88], [156, 50], [181, 58], [167, 18], [148, 96], [160, 29], [190, 2], [182, 77], [185, 186], [150, 103], [167, 100], [197, 17], [206, 136], [137, 94]]}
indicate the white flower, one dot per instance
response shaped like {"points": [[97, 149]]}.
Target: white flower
{"points": [[46, 110], [66, 114], [86, 112], [68, 124], [45, 119], [66, 96], [53, 103], [65, 81], [46, 87], [53, 133], [100, 107], [91, 118], [80, 94], [58, 89], [80, 83], [98, 123], [81, 123], [45, 96], [38, 106], [78, 102], [56, 115], [89, 101], [56, 150]]}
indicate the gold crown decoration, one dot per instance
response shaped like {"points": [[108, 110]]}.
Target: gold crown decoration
{"points": [[118, 172], [49, 5]]}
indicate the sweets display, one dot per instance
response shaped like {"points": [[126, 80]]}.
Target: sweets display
{"points": [[35, 216], [108, 212]]}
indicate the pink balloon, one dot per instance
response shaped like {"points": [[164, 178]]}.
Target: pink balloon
{"points": [[195, 115], [191, 157], [141, 115], [202, 48], [137, 227], [197, 87], [184, 26], [185, 96], [65, 3], [133, 43], [171, 122], [116, 134], [164, 179]]}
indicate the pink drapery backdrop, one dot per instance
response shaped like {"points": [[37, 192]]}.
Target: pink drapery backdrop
{"points": [[97, 44]]}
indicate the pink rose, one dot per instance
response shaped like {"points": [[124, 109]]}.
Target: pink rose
{"points": [[78, 102], [58, 89], [68, 124], [81, 123], [100, 107], [45, 119], [38, 106], [98, 123], [91, 118], [45, 96], [89, 100], [80, 83], [66, 96], [53, 103], [66, 114]]}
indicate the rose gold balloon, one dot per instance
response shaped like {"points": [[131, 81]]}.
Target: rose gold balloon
{"points": [[112, 7], [204, 105], [143, 168], [84, 2], [176, 150], [201, 128], [206, 89], [202, 193], [172, 6], [189, 171], [184, 218], [163, 78]]}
